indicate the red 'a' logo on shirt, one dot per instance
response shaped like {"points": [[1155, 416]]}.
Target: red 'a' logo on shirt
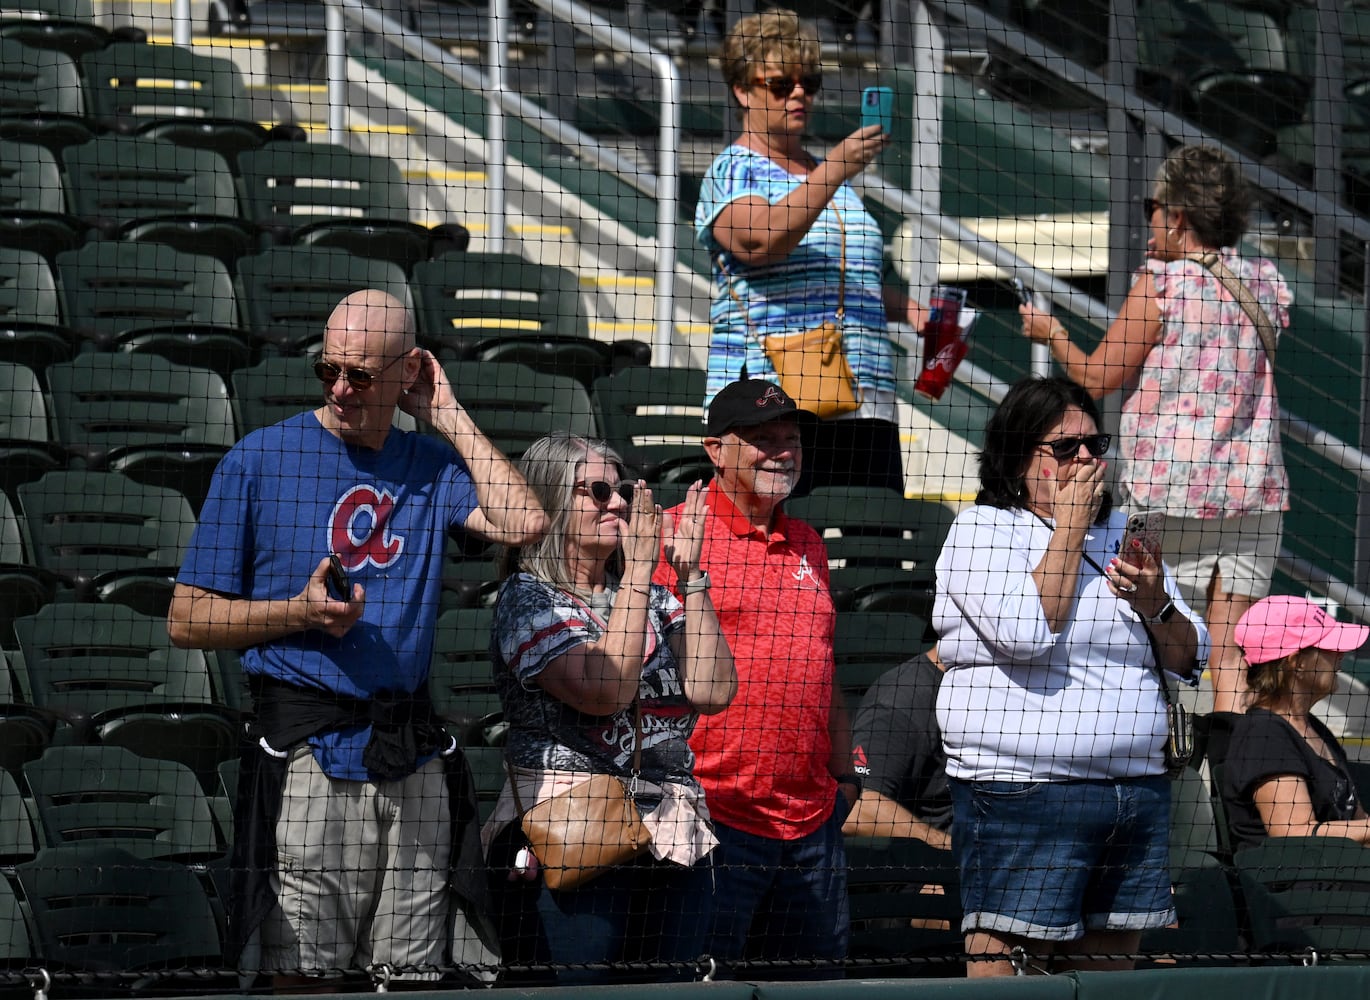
{"points": [[358, 529]]}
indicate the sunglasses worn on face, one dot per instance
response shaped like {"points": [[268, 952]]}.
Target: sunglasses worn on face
{"points": [[783, 86], [1149, 206], [1064, 449], [602, 492], [358, 378]]}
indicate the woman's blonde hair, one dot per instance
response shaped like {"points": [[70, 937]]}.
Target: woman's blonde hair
{"points": [[777, 36], [550, 465]]}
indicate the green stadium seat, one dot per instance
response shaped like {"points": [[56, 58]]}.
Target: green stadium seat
{"points": [[1306, 892], [502, 307], [159, 423], [291, 185], [867, 644], [290, 291], [905, 909], [151, 808], [461, 679], [881, 546], [515, 405], [27, 449], [24, 587], [31, 329], [25, 732], [37, 80], [654, 418], [130, 83], [114, 673], [16, 950], [98, 909], [151, 298], [109, 537]]}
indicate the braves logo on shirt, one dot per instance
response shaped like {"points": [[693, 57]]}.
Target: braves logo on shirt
{"points": [[359, 531], [805, 571]]}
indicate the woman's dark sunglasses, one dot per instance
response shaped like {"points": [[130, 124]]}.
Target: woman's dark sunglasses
{"points": [[358, 378], [1149, 206], [601, 492], [1064, 449], [783, 86]]}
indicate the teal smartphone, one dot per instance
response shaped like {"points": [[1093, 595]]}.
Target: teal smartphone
{"points": [[877, 108]]}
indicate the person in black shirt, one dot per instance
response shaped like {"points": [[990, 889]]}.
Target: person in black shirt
{"points": [[897, 750], [1285, 774]]}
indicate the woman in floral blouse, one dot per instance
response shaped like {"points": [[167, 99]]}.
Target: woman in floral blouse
{"points": [[1200, 420]]}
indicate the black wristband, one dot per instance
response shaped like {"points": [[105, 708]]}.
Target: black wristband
{"points": [[851, 778]]}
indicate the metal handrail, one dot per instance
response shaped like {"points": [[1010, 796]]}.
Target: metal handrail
{"points": [[663, 186]]}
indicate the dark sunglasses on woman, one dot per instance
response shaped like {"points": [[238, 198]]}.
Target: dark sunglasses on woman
{"points": [[1066, 448], [783, 86], [601, 492]]}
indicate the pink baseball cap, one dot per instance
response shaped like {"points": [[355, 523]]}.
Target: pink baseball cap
{"points": [[1274, 627]]}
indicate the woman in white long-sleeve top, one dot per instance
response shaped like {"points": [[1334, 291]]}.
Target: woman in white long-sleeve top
{"points": [[1051, 709]]}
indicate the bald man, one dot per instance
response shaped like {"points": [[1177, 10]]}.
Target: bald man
{"points": [[347, 828]]}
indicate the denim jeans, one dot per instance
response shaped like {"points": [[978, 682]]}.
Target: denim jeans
{"points": [[778, 899]]}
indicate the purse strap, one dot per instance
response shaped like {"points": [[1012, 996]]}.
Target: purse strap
{"points": [[1238, 290], [841, 311], [636, 771]]}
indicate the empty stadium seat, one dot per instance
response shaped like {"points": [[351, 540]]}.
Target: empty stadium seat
{"points": [[905, 903], [24, 587], [514, 405], [16, 950], [25, 732], [290, 291], [115, 675], [881, 546], [159, 423], [109, 537], [18, 839], [27, 448], [1306, 892], [289, 185], [461, 678], [34, 80], [502, 307], [99, 909], [654, 418], [866, 644], [128, 84], [31, 329], [147, 297], [153, 809]]}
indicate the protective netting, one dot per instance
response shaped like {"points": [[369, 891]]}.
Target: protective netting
{"points": [[348, 516]]}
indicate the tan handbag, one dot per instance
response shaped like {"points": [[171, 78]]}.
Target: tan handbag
{"points": [[811, 366], [587, 829]]}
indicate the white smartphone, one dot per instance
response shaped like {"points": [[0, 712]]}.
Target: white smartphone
{"points": [[1144, 526]]}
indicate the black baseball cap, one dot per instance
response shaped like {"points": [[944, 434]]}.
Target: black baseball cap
{"points": [[748, 402]]}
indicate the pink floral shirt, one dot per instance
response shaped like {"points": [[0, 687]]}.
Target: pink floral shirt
{"points": [[1200, 423]]}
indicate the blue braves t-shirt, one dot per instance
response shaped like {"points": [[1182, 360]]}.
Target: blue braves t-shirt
{"points": [[287, 495]]}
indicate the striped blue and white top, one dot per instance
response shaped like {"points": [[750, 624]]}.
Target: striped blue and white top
{"points": [[801, 291]]}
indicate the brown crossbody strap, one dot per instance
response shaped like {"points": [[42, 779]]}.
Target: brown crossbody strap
{"points": [[841, 280], [637, 760], [1238, 290]]}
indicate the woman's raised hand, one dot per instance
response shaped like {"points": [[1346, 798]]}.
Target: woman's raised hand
{"points": [[684, 541], [855, 153], [642, 534], [1079, 494]]}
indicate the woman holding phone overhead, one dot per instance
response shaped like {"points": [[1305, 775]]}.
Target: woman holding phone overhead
{"points": [[1052, 711], [1193, 352], [792, 245]]}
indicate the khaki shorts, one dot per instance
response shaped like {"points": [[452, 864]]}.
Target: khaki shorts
{"points": [[1241, 550], [362, 873]]}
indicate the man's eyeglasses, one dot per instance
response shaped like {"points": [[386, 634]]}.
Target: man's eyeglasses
{"points": [[783, 86], [1149, 206], [358, 378], [602, 492], [1064, 449]]}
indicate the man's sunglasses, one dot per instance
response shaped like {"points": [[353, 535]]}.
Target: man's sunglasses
{"points": [[358, 378], [601, 492], [783, 86], [1064, 449], [1149, 206]]}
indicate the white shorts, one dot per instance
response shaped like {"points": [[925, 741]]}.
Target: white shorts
{"points": [[362, 873], [1241, 551]]}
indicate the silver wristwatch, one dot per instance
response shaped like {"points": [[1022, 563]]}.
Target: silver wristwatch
{"points": [[696, 586]]}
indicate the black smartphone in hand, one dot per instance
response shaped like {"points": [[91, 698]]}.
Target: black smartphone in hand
{"points": [[339, 588]]}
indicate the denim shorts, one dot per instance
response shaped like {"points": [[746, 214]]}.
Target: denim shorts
{"points": [[1050, 860]]}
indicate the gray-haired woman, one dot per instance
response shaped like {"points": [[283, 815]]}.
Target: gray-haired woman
{"points": [[583, 642]]}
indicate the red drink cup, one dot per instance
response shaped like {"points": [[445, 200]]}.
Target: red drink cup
{"points": [[937, 373]]}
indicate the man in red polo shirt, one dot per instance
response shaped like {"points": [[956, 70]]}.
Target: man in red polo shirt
{"points": [[775, 765]]}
